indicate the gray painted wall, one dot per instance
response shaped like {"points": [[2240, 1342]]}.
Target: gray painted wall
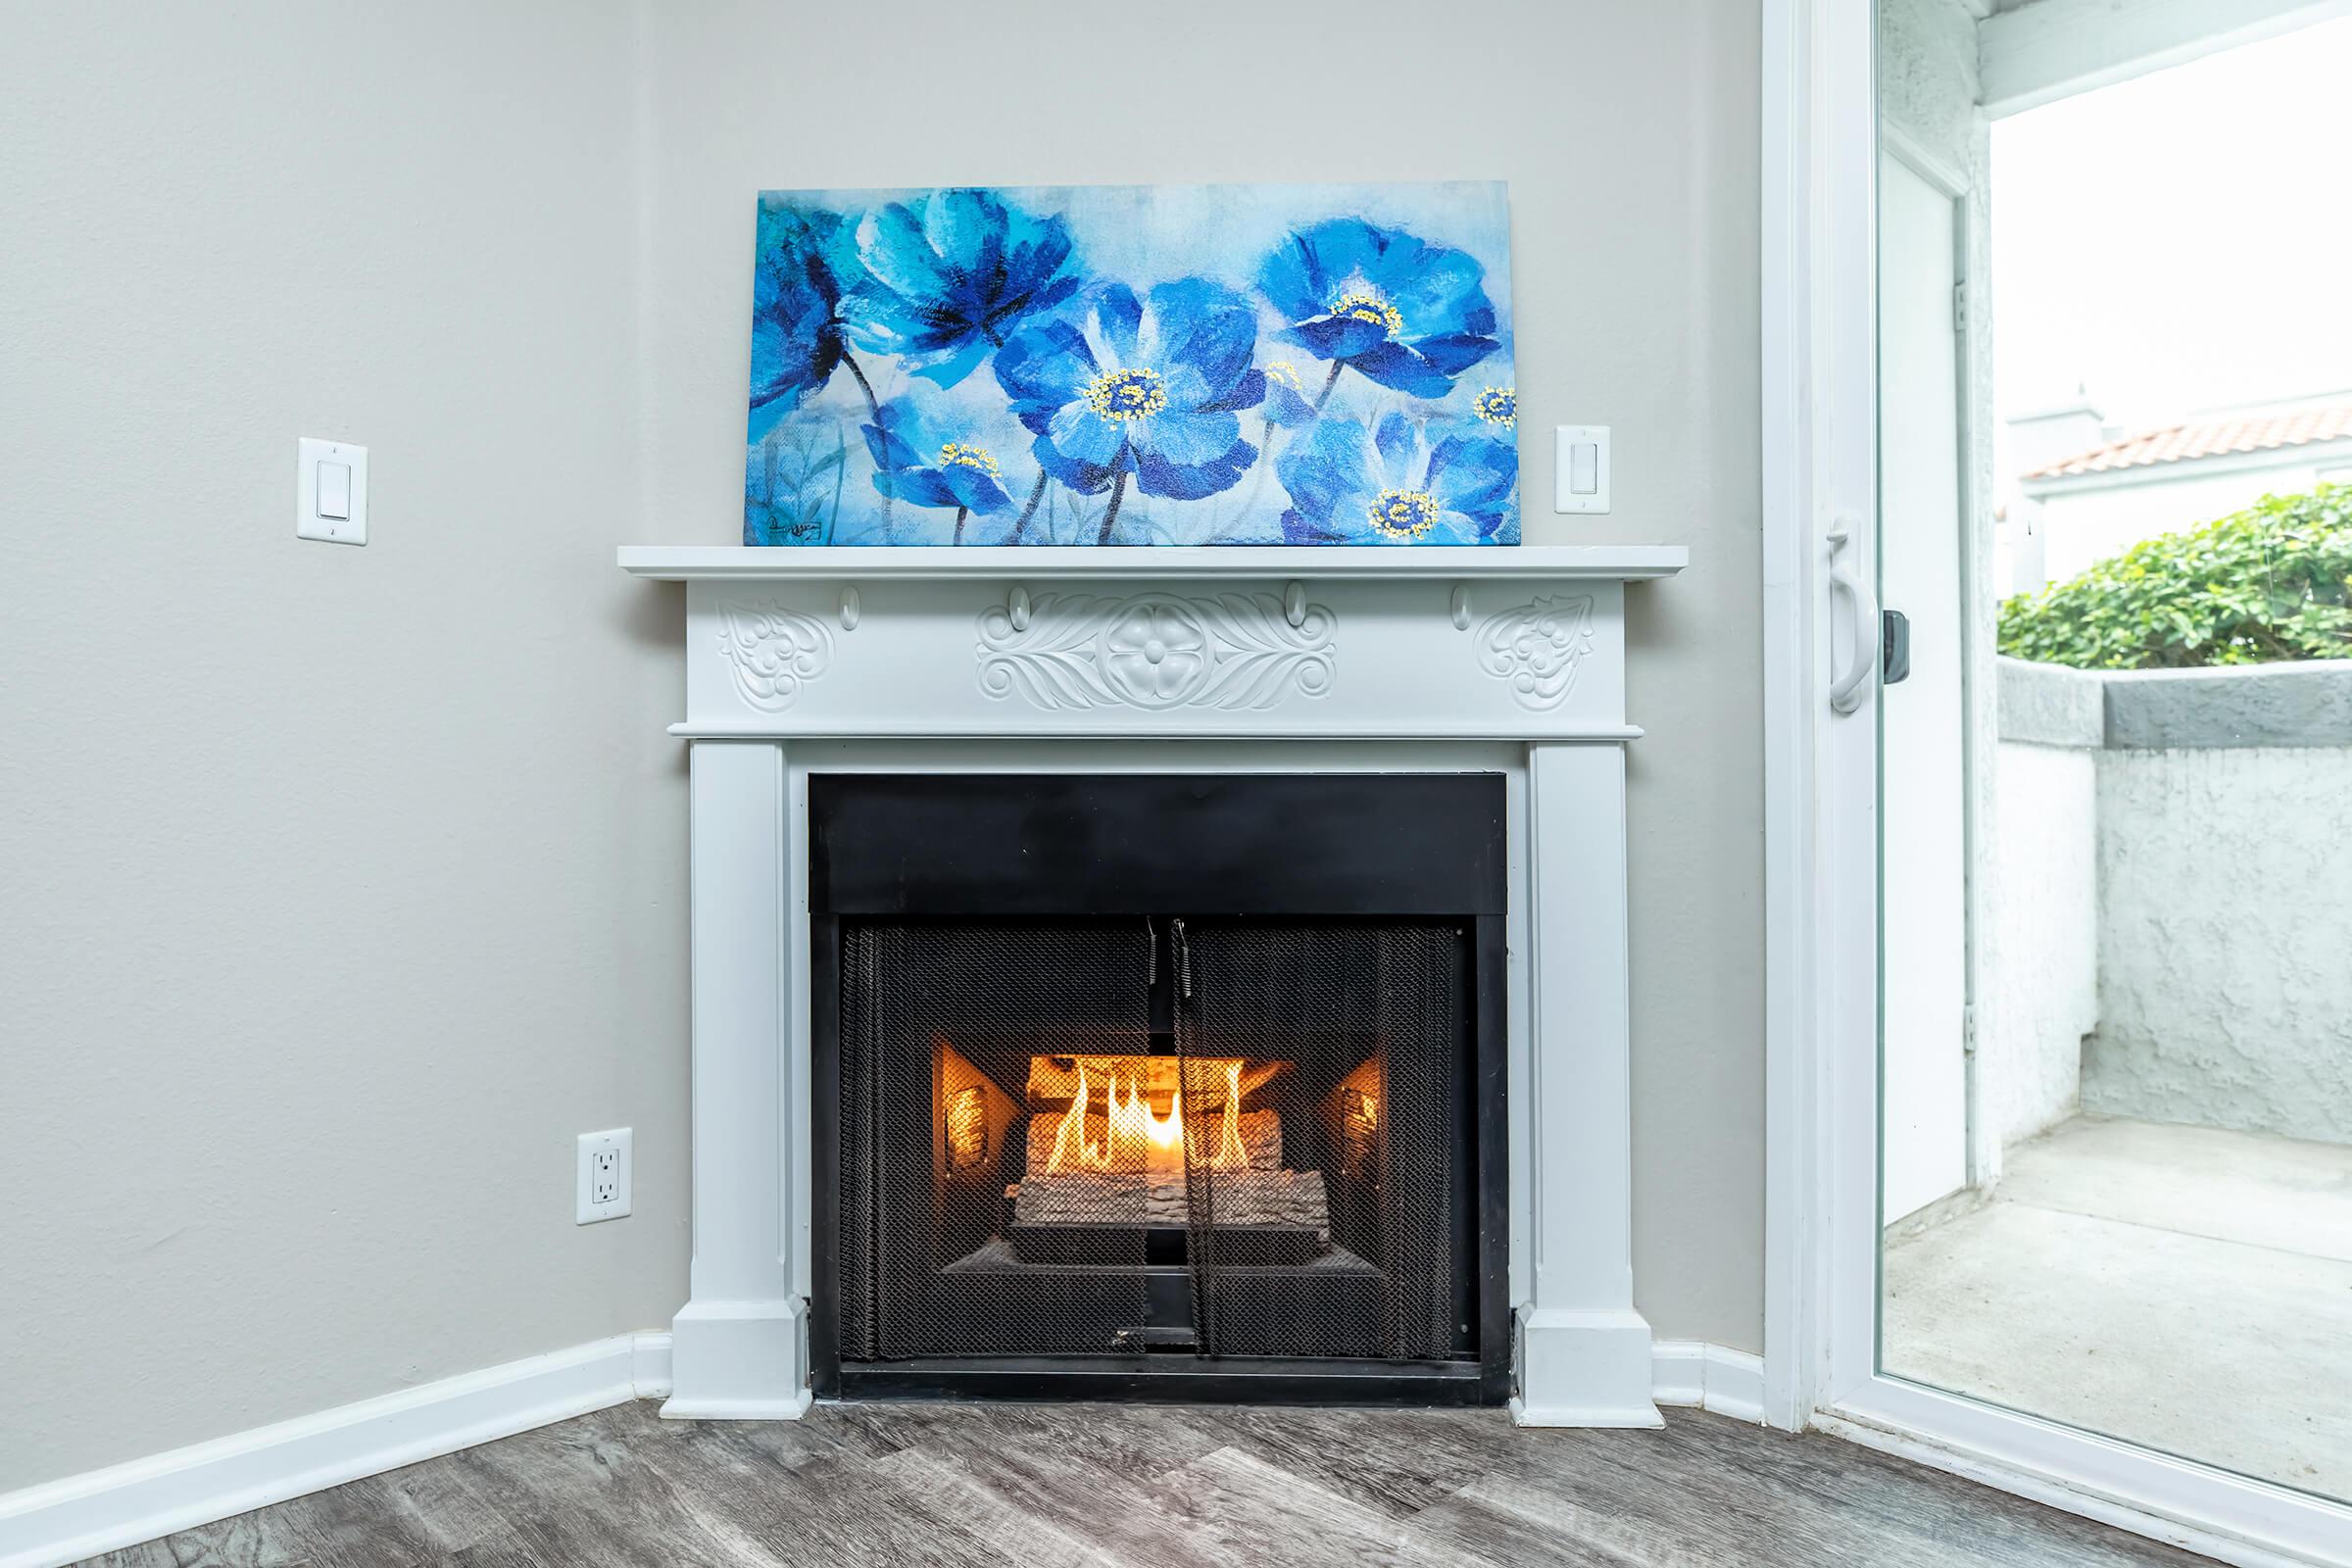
{"points": [[295, 1093], [344, 887]]}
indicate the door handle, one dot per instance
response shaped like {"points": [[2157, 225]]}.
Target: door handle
{"points": [[1847, 690]]}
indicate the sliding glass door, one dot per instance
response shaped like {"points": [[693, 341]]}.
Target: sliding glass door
{"points": [[2113, 716]]}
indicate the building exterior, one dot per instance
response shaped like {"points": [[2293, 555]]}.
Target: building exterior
{"points": [[2086, 491]]}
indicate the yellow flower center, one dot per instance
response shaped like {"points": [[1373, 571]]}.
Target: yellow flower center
{"points": [[957, 454], [1284, 373], [1126, 394], [1363, 306], [1499, 405], [1405, 513]]}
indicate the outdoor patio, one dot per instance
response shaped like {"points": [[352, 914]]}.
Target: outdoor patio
{"points": [[2188, 1287], [2159, 1246]]}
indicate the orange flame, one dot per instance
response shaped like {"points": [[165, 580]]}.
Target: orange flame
{"points": [[1130, 1124]]}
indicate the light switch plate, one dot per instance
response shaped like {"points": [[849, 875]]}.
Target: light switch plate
{"points": [[1581, 487], [309, 522]]}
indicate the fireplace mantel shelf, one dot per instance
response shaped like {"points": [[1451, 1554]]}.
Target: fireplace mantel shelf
{"points": [[1156, 563], [1468, 643]]}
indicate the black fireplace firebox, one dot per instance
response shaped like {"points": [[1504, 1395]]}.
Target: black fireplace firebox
{"points": [[1162, 1086]]}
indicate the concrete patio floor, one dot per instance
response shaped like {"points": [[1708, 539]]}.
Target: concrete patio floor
{"points": [[2184, 1287]]}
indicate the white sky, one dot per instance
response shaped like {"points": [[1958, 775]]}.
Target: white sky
{"points": [[2183, 240]]}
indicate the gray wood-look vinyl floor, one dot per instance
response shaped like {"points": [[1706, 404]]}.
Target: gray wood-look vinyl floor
{"points": [[1091, 1486]]}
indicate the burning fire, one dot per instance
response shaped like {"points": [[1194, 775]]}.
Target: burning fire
{"points": [[1132, 1132]]}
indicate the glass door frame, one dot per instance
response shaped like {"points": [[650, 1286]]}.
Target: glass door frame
{"points": [[1819, 167]]}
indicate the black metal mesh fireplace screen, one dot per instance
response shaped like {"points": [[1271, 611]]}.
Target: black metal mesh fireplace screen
{"points": [[1162, 1086], [1215, 1138]]}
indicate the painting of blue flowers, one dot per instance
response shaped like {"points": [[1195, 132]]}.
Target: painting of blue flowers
{"points": [[1234, 364]]}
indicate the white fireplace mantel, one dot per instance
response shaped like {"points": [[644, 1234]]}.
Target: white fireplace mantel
{"points": [[946, 659]]}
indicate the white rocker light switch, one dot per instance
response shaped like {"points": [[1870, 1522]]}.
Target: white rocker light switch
{"points": [[1581, 469], [334, 491], [330, 491]]}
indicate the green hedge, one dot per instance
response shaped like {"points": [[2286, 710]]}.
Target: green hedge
{"points": [[2262, 584]]}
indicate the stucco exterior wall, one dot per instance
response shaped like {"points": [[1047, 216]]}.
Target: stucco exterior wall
{"points": [[2167, 902], [2225, 904], [2038, 989], [1927, 77]]}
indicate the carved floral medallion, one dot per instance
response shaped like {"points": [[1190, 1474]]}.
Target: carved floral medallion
{"points": [[1535, 648], [774, 652], [1234, 650]]}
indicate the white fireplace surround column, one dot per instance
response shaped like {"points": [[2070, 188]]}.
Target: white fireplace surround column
{"points": [[1309, 660]]}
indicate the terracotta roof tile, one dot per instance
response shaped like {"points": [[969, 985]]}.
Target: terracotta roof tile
{"points": [[2208, 438]]}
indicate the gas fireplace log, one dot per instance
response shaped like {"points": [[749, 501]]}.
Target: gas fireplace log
{"points": [[1286, 1197]]}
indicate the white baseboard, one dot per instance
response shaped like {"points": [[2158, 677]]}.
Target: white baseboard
{"points": [[649, 1365], [1708, 1377], [103, 1510]]}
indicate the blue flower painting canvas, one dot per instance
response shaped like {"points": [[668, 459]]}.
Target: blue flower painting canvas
{"points": [[1214, 365]]}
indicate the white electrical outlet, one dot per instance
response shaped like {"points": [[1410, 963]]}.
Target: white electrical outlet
{"points": [[604, 1175]]}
